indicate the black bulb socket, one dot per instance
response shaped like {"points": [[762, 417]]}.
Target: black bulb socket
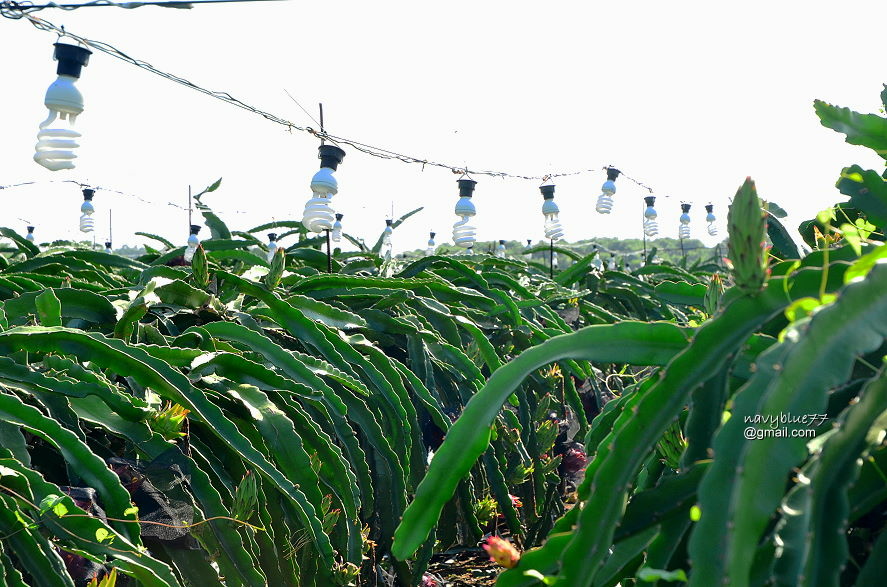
{"points": [[388, 222], [650, 200], [88, 193], [30, 229], [710, 208], [501, 241], [107, 244], [71, 59], [272, 236], [330, 156], [466, 187], [195, 229], [339, 216], [612, 173], [432, 234], [685, 208], [547, 191]]}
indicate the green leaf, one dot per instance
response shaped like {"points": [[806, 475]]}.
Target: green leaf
{"points": [[173, 386], [864, 264], [166, 244], [683, 293], [775, 209], [24, 245], [88, 465], [801, 308], [468, 438], [545, 580], [102, 535], [851, 235], [783, 244], [199, 268], [867, 130], [648, 575], [867, 191], [276, 225], [218, 229], [49, 308], [378, 246], [326, 313], [75, 303], [747, 480], [272, 278]]}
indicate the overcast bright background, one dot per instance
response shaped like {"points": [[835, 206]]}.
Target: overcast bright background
{"points": [[687, 97]]}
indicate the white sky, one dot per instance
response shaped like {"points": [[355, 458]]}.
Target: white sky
{"points": [[688, 97]]}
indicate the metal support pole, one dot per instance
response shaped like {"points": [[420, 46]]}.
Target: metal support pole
{"points": [[329, 254], [551, 259], [644, 232]]}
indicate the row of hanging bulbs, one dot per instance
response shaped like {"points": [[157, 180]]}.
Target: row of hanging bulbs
{"points": [[87, 221], [464, 234], [57, 140], [318, 215], [651, 227]]}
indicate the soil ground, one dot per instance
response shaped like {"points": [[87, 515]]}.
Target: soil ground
{"points": [[469, 568]]}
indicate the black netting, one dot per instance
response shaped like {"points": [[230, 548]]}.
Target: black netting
{"points": [[158, 489], [83, 570]]}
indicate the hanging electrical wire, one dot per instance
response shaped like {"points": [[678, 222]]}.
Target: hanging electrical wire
{"points": [[17, 10]]}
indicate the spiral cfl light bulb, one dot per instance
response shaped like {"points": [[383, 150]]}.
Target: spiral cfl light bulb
{"points": [[193, 243], [56, 139], [464, 235], [597, 263], [336, 234], [554, 262], [684, 230], [500, 250], [651, 227], [605, 200], [30, 235], [431, 244], [710, 218], [550, 210], [272, 246], [318, 215], [87, 222], [386, 235]]}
